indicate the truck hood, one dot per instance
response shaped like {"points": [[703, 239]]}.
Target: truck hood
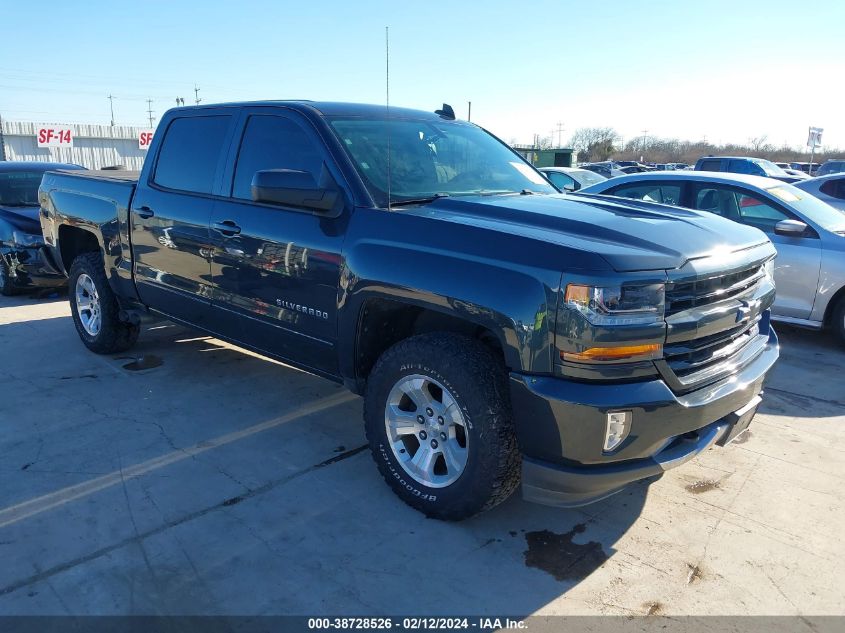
{"points": [[628, 235], [22, 218]]}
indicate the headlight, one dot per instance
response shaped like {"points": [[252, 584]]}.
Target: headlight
{"points": [[26, 240], [769, 269], [618, 305]]}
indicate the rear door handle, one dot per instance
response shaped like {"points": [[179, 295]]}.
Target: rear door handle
{"points": [[144, 212], [227, 227]]}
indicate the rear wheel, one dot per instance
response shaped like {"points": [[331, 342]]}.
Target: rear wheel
{"points": [[95, 310], [438, 420]]}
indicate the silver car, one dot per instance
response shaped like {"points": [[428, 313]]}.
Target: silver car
{"points": [[571, 178], [830, 188], [808, 234]]}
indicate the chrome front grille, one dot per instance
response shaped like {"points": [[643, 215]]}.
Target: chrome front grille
{"points": [[717, 323], [686, 294], [697, 361]]}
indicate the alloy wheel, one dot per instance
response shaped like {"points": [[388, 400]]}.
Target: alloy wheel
{"points": [[426, 430]]}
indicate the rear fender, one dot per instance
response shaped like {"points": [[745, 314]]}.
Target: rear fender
{"points": [[102, 217]]}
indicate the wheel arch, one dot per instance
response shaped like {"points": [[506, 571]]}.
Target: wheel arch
{"points": [[832, 305], [75, 240]]}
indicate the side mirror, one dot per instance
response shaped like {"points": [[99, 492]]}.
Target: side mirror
{"points": [[294, 188], [790, 228], [570, 187]]}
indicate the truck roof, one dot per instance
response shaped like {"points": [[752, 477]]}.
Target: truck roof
{"points": [[325, 108]]}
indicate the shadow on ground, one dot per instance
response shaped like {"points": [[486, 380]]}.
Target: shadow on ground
{"points": [[189, 477]]}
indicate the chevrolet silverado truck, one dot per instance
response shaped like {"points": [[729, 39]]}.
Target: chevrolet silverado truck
{"points": [[499, 330]]}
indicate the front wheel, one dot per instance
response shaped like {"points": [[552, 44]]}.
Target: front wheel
{"points": [[7, 288], [438, 420], [838, 321], [95, 310]]}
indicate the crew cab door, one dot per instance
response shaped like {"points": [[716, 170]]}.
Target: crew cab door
{"points": [[170, 213], [276, 269], [799, 258]]}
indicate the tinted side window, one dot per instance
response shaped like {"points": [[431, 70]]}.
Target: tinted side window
{"points": [[665, 194], [834, 188], [758, 213], [738, 206], [189, 153], [711, 165], [273, 142], [716, 200], [745, 167]]}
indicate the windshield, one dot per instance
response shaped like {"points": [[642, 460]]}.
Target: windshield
{"points": [[769, 167], [812, 208], [20, 188], [431, 158], [587, 177]]}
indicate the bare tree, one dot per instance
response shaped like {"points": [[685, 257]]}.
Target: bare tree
{"points": [[758, 144], [595, 143]]}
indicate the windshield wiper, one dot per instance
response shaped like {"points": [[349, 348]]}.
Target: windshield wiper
{"points": [[504, 192], [427, 200]]}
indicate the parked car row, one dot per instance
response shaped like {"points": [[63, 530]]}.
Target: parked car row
{"points": [[744, 165]]}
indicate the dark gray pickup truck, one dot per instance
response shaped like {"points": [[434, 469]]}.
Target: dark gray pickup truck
{"points": [[499, 330]]}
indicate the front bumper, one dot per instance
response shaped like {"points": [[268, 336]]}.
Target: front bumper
{"points": [[32, 267], [560, 425]]}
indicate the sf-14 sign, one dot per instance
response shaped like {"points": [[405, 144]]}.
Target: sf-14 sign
{"points": [[54, 137]]}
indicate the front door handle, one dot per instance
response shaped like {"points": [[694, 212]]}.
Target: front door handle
{"points": [[144, 212], [227, 227]]}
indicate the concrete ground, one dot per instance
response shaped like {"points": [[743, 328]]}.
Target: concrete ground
{"points": [[206, 480]]}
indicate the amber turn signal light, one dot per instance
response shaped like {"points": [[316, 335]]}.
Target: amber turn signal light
{"points": [[625, 352]]}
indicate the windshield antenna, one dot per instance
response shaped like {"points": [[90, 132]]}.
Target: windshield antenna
{"points": [[387, 103]]}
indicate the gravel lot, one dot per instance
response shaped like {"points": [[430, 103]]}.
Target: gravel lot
{"points": [[202, 479]]}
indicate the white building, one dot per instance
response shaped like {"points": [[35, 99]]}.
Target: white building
{"points": [[92, 146]]}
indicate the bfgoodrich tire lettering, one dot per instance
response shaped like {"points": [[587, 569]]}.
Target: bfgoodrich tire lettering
{"points": [[465, 370], [89, 290]]}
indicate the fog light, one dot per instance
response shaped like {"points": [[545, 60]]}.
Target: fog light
{"points": [[618, 426]]}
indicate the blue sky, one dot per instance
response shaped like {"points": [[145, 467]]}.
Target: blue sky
{"points": [[726, 71]]}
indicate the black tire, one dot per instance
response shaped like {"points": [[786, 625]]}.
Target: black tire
{"points": [[838, 321], [114, 335], [7, 288], [477, 381]]}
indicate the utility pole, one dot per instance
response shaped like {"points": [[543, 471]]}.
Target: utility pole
{"points": [[560, 129], [645, 132], [469, 110], [197, 95], [150, 110], [111, 106]]}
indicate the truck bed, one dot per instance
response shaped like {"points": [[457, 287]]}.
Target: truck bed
{"points": [[108, 174]]}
